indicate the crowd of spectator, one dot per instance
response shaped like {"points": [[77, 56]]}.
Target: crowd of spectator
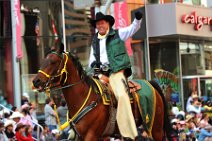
{"points": [[22, 125], [195, 123]]}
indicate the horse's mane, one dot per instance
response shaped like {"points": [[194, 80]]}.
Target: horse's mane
{"points": [[79, 67]]}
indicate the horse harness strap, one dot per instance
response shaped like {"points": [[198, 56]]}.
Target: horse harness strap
{"points": [[97, 54], [61, 72], [76, 115]]}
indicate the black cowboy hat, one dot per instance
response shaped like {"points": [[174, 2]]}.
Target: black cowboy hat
{"points": [[101, 16]]}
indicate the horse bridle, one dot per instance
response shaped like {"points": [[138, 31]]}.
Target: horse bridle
{"points": [[64, 70], [59, 74]]}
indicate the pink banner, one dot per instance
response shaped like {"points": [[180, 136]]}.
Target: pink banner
{"points": [[121, 16], [18, 28]]}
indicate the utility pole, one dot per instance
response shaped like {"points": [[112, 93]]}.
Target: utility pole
{"points": [[15, 60]]}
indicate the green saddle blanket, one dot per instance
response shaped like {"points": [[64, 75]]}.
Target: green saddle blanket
{"points": [[147, 105]]}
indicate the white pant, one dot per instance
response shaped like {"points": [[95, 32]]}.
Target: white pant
{"points": [[125, 119]]}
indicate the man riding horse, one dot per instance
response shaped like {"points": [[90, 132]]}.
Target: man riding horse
{"points": [[109, 56]]}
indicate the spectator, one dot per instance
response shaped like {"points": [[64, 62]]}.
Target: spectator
{"points": [[32, 110], [204, 121], [190, 99], [9, 130], [16, 116], [20, 129], [205, 134], [37, 131], [181, 115], [25, 98], [28, 132], [174, 132], [50, 116], [46, 134], [3, 136], [195, 105], [175, 110], [27, 120], [56, 135], [6, 116], [14, 109], [62, 113]]}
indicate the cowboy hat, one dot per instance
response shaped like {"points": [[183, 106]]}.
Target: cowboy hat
{"points": [[8, 122], [101, 16], [174, 120], [189, 117], [16, 115]]}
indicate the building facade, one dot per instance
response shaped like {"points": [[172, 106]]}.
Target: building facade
{"points": [[173, 45], [180, 49]]}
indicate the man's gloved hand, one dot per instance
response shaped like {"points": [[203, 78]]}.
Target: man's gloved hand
{"points": [[138, 15]]}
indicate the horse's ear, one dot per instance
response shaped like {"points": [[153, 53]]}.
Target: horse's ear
{"points": [[61, 48], [58, 48]]}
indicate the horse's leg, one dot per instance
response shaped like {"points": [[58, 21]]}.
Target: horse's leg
{"points": [[157, 130]]}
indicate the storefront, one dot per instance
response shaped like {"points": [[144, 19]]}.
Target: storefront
{"points": [[180, 49], [42, 26], [6, 87], [173, 46]]}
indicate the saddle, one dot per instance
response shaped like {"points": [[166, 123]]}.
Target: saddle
{"points": [[141, 95], [106, 91]]}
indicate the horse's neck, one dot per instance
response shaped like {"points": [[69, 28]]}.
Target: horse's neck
{"points": [[75, 95]]}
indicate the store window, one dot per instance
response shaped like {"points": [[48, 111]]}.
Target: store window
{"points": [[206, 88], [208, 57], [192, 58], [164, 62], [189, 85], [138, 61], [41, 30]]}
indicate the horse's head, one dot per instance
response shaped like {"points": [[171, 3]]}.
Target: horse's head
{"points": [[52, 72]]}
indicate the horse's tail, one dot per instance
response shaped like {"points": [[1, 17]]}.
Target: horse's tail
{"points": [[167, 124]]}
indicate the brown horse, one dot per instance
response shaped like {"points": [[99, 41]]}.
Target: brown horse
{"points": [[89, 116]]}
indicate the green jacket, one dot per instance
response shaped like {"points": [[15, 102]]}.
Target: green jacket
{"points": [[116, 52]]}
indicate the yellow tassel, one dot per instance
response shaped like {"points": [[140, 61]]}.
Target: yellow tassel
{"points": [[65, 125]]}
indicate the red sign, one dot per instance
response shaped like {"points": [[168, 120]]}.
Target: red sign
{"points": [[121, 16], [18, 28], [198, 21]]}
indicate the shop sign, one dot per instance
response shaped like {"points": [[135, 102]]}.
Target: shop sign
{"points": [[198, 21]]}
